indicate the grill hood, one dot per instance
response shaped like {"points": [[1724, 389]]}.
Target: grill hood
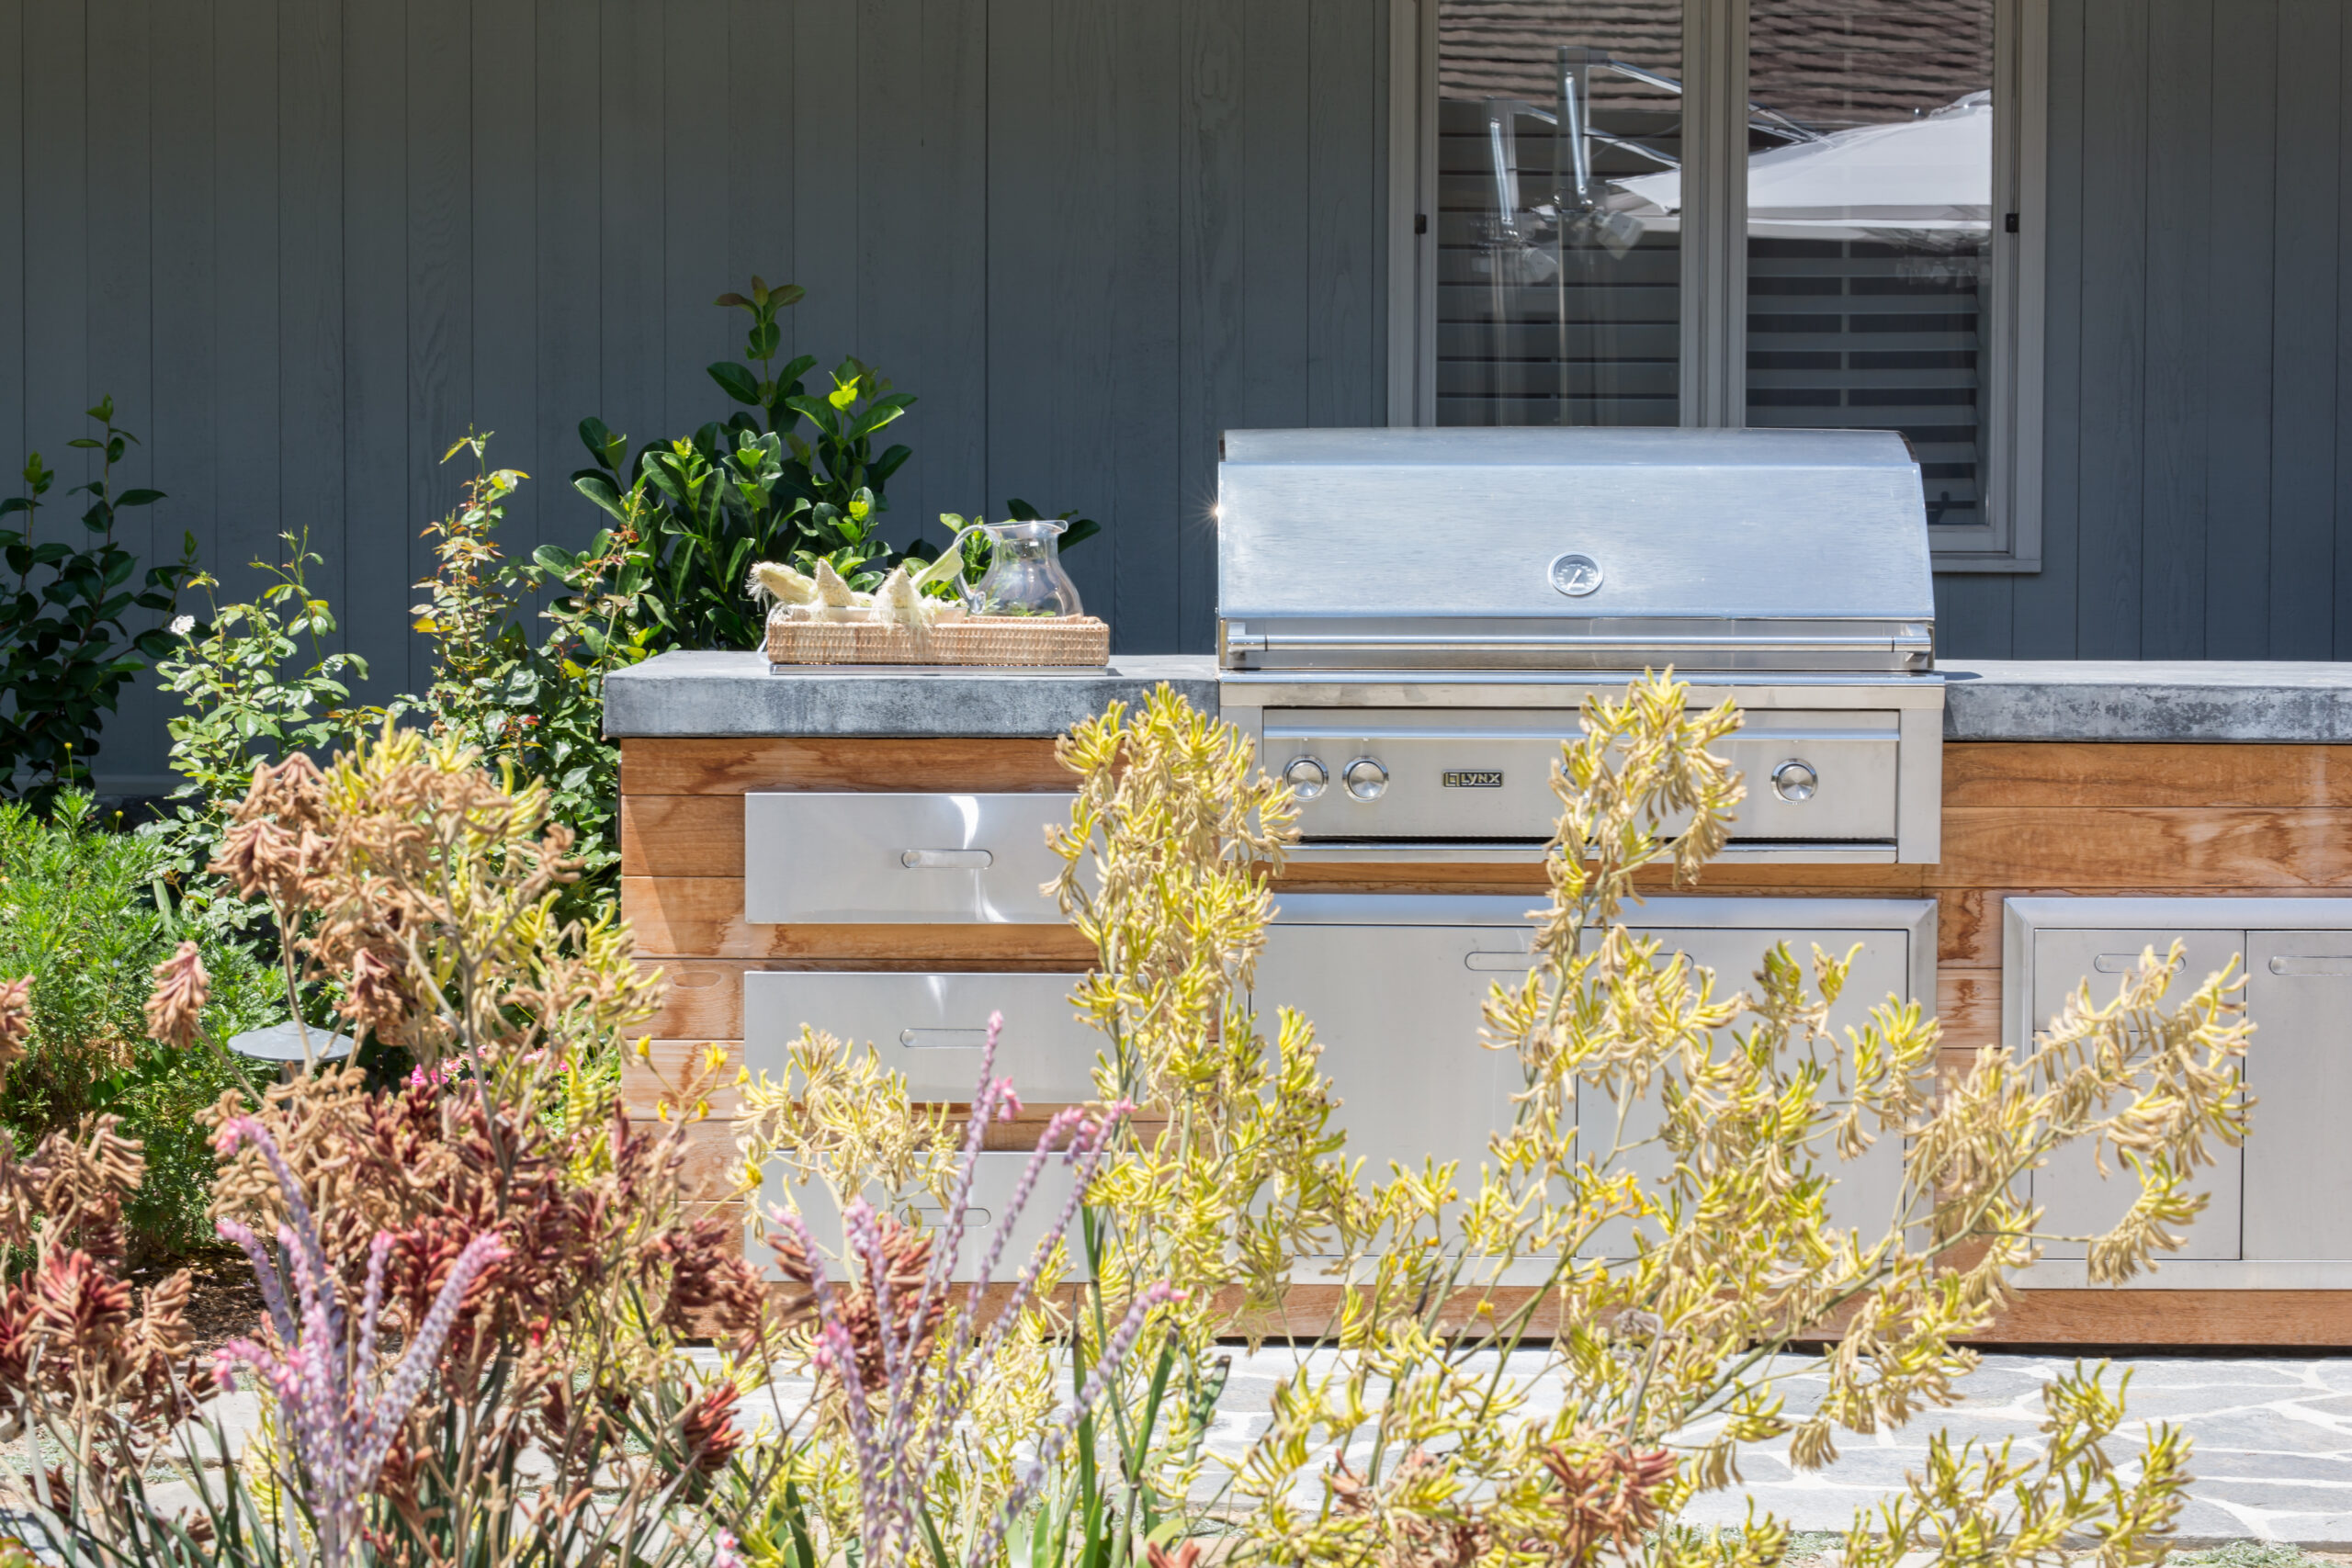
{"points": [[1572, 549]]}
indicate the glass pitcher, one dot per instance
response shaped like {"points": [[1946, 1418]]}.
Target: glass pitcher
{"points": [[1025, 575]]}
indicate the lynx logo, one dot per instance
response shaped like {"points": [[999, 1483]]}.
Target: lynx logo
{"points": [[1473, 778]]}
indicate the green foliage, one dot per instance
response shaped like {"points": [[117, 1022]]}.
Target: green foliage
{"points": [[792, 475], [83, 911], [65, 652], [259, 680], [767, 389], [751, 488], [537, 706]]}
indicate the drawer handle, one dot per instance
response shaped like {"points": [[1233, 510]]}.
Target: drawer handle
{"points": [[1500, 962], [943, 1039], [2310, 966], [2115, 963], [947, 859]]}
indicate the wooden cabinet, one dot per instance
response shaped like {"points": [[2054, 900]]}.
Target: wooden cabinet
{"points": [[2261, 827]]}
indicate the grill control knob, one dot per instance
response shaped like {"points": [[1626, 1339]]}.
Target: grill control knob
{"points": [[1367, 779], [1306, 776], [1795, 780]]}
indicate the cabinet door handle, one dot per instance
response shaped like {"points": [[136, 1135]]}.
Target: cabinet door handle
{"points": [[2317, 965], [943, 1039], [1499, 963], [945, 860]]}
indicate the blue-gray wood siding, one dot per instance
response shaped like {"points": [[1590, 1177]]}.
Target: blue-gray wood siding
{"points": [[307, 246], [2198, 449]]}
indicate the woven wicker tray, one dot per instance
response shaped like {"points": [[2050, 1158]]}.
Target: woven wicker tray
{"points": [[983, 639]]}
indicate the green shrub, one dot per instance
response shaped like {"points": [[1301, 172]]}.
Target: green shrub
{"points": [[79, 912], [65, 650]]}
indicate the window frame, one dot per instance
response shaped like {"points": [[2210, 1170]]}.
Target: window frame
{"points": [[1714, 252]]}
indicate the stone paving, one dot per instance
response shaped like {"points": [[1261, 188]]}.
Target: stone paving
{"points": [[2272, 1457]]}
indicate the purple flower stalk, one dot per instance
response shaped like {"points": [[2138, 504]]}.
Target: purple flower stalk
{"points": [[896, 1434], [319, 1374]]}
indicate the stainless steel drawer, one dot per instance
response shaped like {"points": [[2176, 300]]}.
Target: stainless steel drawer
{"points": [[994, 1177], [818, 857], [930, 1027]]}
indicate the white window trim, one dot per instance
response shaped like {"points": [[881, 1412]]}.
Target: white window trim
{"points": [[1714, 276]]}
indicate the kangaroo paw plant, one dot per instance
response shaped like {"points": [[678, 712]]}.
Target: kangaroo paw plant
{"points": [[482, 1281]]}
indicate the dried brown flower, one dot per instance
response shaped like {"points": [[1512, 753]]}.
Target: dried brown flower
{"points": [[1609, 1494], [905, 1262], [104, 1368], [375, 1000], [1416, 1535], [175, 1010], [16, 1018]]}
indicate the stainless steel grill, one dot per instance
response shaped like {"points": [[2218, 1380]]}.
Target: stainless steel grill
{"points": [[1410, 620]]}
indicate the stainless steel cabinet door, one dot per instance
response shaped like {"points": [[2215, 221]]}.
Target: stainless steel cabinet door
{"points": [[930, 1027], [2075, 1199], [1397, 1011], [831, 857], [1867, 1189], [2299, 1069]]}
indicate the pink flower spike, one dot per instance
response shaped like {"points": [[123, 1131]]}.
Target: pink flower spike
{"points": [[1008, 1103]]}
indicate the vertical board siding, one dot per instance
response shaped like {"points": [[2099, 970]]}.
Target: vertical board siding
{"points": [[2174, 409], [504, 346], [250, 208], [372, 575], [2042, 624], [2241, 256], [440, 273], [2197, 369], [179, 421], [13, 234], [1212, 378], [2304, 379], [1145, 334], [121, 252], [566, 274], [2114, 328], [307, 245]]}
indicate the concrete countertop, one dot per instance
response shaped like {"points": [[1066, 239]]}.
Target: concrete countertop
{"points": [[2145, 700], [729, 694]]}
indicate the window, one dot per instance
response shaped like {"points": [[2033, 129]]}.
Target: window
{"points": [[1793, 213]]}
